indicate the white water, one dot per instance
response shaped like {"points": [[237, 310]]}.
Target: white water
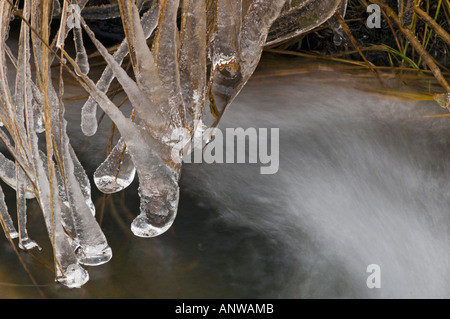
{"points": [[363, 180]]}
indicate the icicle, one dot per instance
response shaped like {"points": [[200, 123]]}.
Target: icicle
{"points": [[5, 13], [193, 58], [226, 76], [226, 38], [37, 101], [148, 74], [116, 172], [64, 206], [94, 249], [68, 270], [158, 176], [158, 208], [166, 53], [81, 56], [67, 263], [155, 117], [89, 118], [6, 218], [29, 164], [255, 29], [158, 186], [236, 50], [83, 180], [158, 183], [158, 189], [88, 112], [22, 92], [24, 241]]}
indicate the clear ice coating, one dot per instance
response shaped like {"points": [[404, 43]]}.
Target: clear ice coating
{"points": [[81, 56], [6, 220], [117, 172], [74, 276], [186, 69], [24, 240], [443, 100], [89, 110], [301, 16]]}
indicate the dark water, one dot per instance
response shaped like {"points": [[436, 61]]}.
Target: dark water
{"points": [[363, 180]]}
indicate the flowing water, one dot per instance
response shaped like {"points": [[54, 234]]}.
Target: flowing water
{"points": [[363, 179]]}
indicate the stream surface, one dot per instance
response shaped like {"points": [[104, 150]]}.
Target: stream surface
{"points": [[363, 179]]}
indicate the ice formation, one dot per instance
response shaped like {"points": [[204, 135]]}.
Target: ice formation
{"points": [[186, 69]]}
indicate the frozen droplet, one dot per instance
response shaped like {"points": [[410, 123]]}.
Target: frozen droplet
{"points": [[117, 172], [156, 224], [94, 255], [28, 244], [339, 37], [89, 118], [74, 276], [158, 211], [443, 100]]}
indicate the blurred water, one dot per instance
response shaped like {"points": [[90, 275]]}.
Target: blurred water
{"points": [[363, 180]]}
